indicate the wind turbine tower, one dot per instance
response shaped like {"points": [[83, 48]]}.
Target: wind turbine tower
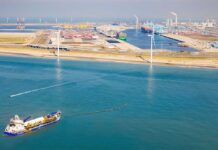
{"points": [[152, 41], [176, 18], [58, 43], [137, 22]]}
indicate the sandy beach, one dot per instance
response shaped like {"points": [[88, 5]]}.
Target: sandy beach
{"points": [[158, 59]]}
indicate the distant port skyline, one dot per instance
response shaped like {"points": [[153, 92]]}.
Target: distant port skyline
{"points": [[98, 9], [131, 19]]}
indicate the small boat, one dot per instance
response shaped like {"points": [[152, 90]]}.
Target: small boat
{"points": [[146, 29], [122, 36], [18, 126], [214, 45]]}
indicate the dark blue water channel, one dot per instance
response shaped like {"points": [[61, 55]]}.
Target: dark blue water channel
{"points": [[142, 40]]}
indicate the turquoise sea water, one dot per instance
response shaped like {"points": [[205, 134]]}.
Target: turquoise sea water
{"points": [[110, 105]]}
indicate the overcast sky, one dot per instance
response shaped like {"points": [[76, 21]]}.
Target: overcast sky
{"points": [[109, 8]]}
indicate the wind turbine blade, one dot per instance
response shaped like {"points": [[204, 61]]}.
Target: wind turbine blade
{"points": [[172, 13]]}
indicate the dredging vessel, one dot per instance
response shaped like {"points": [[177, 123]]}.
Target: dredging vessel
{"points": [[18, 126]]}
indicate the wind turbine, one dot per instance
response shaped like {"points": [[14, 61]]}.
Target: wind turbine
{"points": [[58, 68], [137, 22], [58, 43], [152, 42], [176, 17]]}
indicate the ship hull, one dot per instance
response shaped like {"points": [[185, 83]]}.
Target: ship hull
{"points": [[146, 30], [14, 134], [123, 38]]}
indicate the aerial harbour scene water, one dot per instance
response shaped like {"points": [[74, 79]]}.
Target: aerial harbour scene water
{"points": [[85, 79]]}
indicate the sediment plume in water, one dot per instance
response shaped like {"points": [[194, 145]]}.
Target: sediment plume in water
{"points": [[111, 109]]}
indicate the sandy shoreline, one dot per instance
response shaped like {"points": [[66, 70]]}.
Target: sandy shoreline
{"points": [[76, 56], [201, 45], [110, 57]]}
